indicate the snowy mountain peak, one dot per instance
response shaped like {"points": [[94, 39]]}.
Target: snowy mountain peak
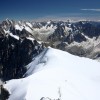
{"points": [[42, 73], [57, 75]]}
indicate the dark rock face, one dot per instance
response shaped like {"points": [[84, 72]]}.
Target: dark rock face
{"points": [[58, 33], [79, 38], [76, 37], [15, 53], [4, 93], [89, 29]]}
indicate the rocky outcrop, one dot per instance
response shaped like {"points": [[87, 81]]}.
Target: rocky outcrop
{"points": [[4, 93], [17, 49]]}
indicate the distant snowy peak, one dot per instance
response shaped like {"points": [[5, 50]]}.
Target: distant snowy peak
{"points": [[70, 31], [49, 22], [18, 27]]}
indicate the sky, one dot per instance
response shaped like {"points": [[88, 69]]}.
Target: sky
{"points": [[37, 9]]}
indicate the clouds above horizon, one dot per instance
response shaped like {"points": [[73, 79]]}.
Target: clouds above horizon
{"points": [[97, 10]]}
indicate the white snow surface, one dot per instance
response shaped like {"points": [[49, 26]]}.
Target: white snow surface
{"points": [[32, 39], [14, 36], [57, 74], [29, 24], [17, 27]]}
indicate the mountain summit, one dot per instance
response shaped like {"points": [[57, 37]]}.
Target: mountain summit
{"points": [[57, 75]]}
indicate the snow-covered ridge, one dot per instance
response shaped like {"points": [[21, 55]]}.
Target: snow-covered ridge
{"points": [[57, 75]]}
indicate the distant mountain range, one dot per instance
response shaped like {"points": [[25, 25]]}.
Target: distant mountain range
{"points": [[80, 38], [21, 40]]}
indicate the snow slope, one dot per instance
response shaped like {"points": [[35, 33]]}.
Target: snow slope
{"points": [[57, 74]]}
